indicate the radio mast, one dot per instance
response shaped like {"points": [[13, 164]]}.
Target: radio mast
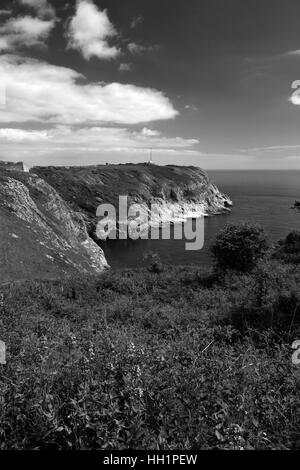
{"points": [[150, 157]]}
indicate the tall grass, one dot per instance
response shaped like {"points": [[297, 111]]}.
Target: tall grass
{"points": [[133, 359]]}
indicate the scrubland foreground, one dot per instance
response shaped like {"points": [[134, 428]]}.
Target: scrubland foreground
{"points": [[175, 358]]}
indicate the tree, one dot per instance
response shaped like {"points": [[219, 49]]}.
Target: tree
{"points": [[239, 247]]}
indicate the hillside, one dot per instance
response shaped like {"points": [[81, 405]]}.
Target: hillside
{"points": [[86, 187], [135, 360], [40, 235]]}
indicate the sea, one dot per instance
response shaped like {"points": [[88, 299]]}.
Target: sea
{"points": [[261, 197]]}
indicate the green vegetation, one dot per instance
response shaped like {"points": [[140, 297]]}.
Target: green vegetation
{"points": [[84, 188], [153, 262], [240, 247], [172, 359], [288, 250]]}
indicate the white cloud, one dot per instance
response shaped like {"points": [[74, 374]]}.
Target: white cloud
{"points": [[67, 145], [191, 107], [137, 49], [42, 7], [125, 67], [24, 31], [149, 132], [28, 26], [105, 138], [4, 44], [136, 21], [5, 12], [296, 52], [89, 30], [21, 135], [272, 153], [37, 91]]}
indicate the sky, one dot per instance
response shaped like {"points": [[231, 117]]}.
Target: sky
{"points": [[211, 83]]}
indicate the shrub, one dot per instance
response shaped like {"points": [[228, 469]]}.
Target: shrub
{"points": [[267, 298], [153, 263], [288, 250], [239, 247]]}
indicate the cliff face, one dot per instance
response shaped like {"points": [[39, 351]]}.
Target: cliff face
{"points": [[48, 216], [171, 187], [40, 235]]}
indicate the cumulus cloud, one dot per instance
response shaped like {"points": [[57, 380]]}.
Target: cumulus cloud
{"points": [[89, 31], [42, 7], [37, 91], [149, 132], [24, 31]]}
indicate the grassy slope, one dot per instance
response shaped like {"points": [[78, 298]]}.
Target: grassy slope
{"points": [[137, 360], [24, 254], [40, 236]]}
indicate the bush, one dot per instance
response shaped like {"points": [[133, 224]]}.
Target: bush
{"points": [[153, 263], [239, 247], [288, 250], [268, 298]]}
